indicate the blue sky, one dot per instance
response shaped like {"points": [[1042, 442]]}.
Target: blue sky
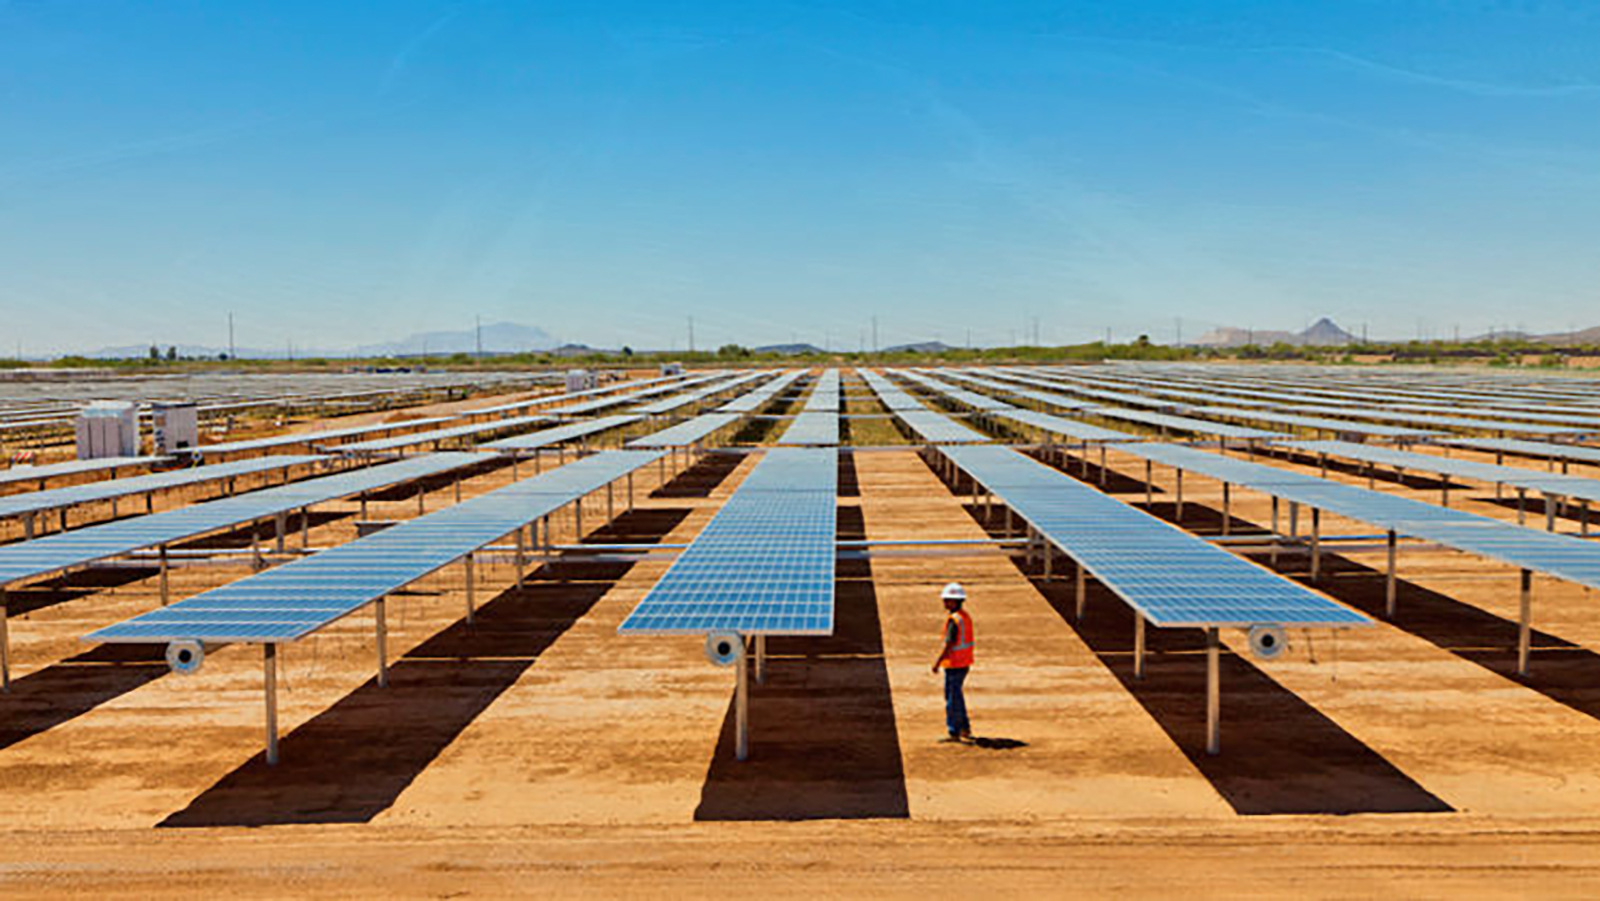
{"points": [[783, 171]]}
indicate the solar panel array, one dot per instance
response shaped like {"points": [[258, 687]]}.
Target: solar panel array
{"points": [[1577, 453], [1564, 556], [1169, 576], [679, 401], [293, 600], [825, 396], [1547, 482], [760, 397], [764, 565], [64, 550], [96, 492], [616, 400], [543, 399], [927, 425], [438, 435], [816, 428], [689, 432], [17, 474], [560, 434], [324, 437]]}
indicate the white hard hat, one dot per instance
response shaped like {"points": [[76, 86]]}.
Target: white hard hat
{"points": [[953, 591]]}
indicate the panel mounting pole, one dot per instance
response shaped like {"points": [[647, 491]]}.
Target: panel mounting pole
{"points": [[1522, 506], [1138, 645], [165, 593], [1213, 693], [5, 645], [382, 630], [269, 677], [1179, 515], [1389, 584], [280, 524], [761, 659], [1525, 623], [472, 588], [1149, 485], [1549, 514], [521, 549], [1227, 505], [741, 705], [1102, 465], [1316, 543], [1081, 592]]}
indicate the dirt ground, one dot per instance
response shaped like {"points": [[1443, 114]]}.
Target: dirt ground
{"points": [[539, 752]]}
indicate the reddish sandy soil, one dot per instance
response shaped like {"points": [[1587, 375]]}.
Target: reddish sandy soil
{"points": [[539, 752]]}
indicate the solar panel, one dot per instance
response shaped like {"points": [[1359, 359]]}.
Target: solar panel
{"points": [[543, 399], [572, 431], [617, 400], [1077, 431], [764, 565], [323, 437], [966, 398], [1186, 424], [299, 597], [1544, 449], [1171, 577], [690, 431], [18, 474], [760, 397], [94, 492], [461, 431], [1562, 555], [64, 550], [1323, 423], [893, 398], [825, 396], [1448, 422], [678, 401], [931, 427], [1550, 483], [813, 427]]}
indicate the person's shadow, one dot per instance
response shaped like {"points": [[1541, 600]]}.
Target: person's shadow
{"points": [[997, 744]]}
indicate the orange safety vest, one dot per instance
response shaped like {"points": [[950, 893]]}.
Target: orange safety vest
{"points": [[960, 654]]}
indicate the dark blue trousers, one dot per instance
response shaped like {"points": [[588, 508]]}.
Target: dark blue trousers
{"points": [[955, 702]]}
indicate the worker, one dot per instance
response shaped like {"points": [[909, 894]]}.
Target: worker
{"points": [[956, 658]]}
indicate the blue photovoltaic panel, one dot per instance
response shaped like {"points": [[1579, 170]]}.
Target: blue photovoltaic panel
{"points": [[678, 401], [760, 397], [617, 400], [324, 437], [825, 396], [461, 431], [893, 397], [72, 495], [299, 597], [1547, 482], [930, 427], [1186, 424], [813, 427], [1068, 428], [1171, 577], [64, 550], [572, 431], [1455, 422], [18, 474], [970, 399], [690, 431], [1543, 449], [1323, 423], [765, 563], [1565, 556], [543, 399]]}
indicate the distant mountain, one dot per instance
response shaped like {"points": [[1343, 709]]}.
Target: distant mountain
{"points": [[921, 347], [788, 350], [498, 337], [1322, 333]]}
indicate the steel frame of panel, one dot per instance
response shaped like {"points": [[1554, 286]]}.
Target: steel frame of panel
{"points": [[32, 559], [292, 601], [785, 510], [1562, 556], [1118, 543]]}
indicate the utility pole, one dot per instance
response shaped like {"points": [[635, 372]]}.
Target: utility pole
{"points": [[233, 353], [691, 334], [1178, 320], [969, 337], [874, 334], [478, 330], [1108, 336]]}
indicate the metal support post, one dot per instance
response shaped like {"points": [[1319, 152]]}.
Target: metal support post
{"points": [[472, 591], [611, 503], [577, 519], [363, 505], [1081, 592], [269, 683], [1213, 693], [1138, 645], [5, 645], [1102, 466], [1227, 505], [741, 705], [1549, 513], [1522, 506], [280, 525], [761, 659], [521, 550], [630, 492], [165, 592], [255, 545], [305, 527], [422, 500], [1525, 624], [1389, 583], [1316, 543], [1179, 517], [1149, 486], [382, 633]]}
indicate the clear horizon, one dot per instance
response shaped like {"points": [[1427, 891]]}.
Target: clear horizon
{"points": [[788, 173]]}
